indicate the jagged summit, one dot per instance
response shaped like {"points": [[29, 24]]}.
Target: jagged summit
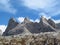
{"points": [[45, 26], [12, 19], [27, 26], [47, 21], [11, 24], [43, 20], [26, 20]]}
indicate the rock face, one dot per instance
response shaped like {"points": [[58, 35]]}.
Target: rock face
{"points": [[52, 23], [29, 27], [12, 23], [46, 26], [26, 20]]}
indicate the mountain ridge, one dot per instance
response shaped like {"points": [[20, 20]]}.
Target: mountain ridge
{"points": [[15, 28]]}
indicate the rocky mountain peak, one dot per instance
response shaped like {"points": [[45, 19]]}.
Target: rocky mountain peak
{"points": [[26, 20], [43, 20], [12, 20], [42, 17], [11, 24], [45, 26]]}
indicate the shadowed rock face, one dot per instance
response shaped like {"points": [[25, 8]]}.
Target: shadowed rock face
{"points": [[12, 24], [52, 23], [27, 26]]}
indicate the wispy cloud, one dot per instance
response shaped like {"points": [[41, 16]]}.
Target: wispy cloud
{"points": [[5, 5], [51, 7]]}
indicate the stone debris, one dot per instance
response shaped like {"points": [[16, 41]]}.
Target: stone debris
{"points": [[32, 39]]}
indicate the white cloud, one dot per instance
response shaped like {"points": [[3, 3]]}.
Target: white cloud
{"points": [[39, 4], [32, 20], [21, 19], [56, 21], [2, 28], [5, 5], [37, 20], [52, 7]]}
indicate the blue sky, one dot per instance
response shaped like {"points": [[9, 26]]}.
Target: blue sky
{"points": [[33, 9]]}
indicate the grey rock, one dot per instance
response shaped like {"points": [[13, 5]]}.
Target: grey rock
{"points": [[45, 26], [33, 27], [52, 23], [19, 29], [26, 20], [12, 23], [28, 27]]}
